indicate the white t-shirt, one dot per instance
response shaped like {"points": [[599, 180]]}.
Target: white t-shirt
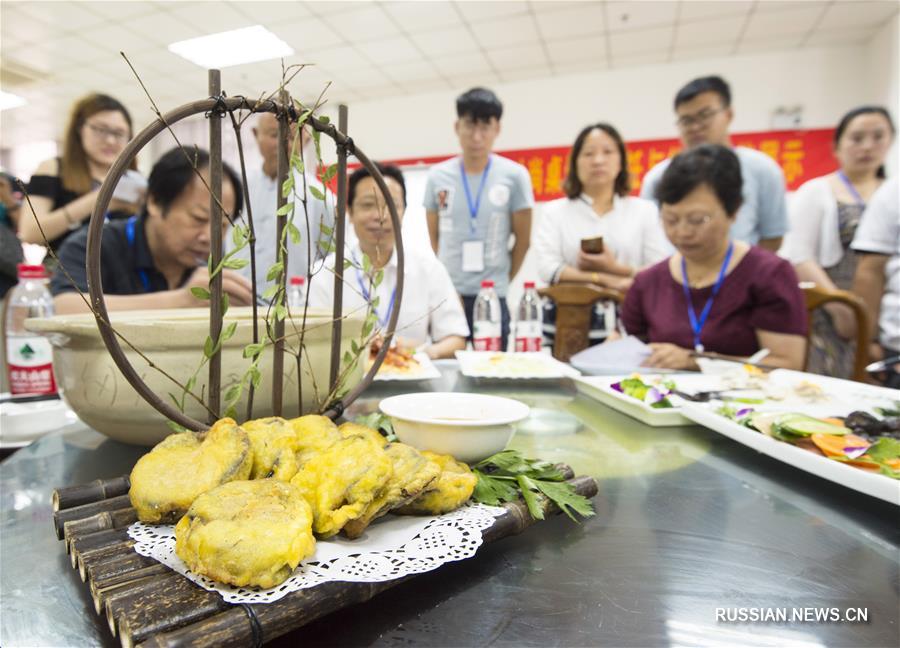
{"points": [[430, 309], [879, 232], [813, 233], [263, 192], [632, 231]]}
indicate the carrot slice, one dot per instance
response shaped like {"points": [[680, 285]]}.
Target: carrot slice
{"points": [[834, 421], [833, 445]]}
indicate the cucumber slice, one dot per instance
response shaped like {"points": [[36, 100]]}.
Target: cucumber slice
{"points": [[806, 425]]}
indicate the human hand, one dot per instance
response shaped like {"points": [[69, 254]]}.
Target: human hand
{"points": [[669, 356], [123, 206], [602, 262], [237, 287]]}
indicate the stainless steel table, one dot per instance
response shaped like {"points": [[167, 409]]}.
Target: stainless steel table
{"points": [[687, 522]]}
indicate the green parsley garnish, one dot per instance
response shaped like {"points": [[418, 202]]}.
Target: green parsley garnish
{"points": [[380, 422], [507, 475]]}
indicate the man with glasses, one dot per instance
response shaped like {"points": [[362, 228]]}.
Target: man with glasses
{"points": [[704, 113], [475, 201], [263, 198]]}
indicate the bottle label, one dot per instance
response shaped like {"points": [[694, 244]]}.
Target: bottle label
{"points": [[486, 336], [30, 362], [528, 336]]}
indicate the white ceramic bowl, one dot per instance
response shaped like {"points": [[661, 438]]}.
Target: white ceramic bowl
{"points": [[471, 427], [92, 385]]}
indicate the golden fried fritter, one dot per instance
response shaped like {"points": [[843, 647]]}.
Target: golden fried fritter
{"points": [[348, 430], [167, 480], [274, 443], [246, 533], [314, 434], [342, 480], [413, 473], [452, 489]]}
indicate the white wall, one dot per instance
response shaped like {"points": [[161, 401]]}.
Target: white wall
{"points": [[883, 78]]}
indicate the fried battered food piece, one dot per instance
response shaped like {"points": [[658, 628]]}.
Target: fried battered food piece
{"points": [[341, 481], [274, 443], [348, 430], [246, 533], [413, 473], [452, 489], [167, 480], [314, 434]]}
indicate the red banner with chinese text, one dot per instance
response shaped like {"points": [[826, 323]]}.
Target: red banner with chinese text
{"points": [[801, 154]]}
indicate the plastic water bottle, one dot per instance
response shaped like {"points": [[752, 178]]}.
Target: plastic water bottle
{"points": [[528, 321], [29, 357], [486, 319], [296, 296]]}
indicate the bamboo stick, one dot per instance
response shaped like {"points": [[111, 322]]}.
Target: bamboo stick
{"points": [[84, 559], [165, 604], [118, 519], [87, 510], [72, 496], [95, 541], [215, 247], [102, 589], [234, 626], [118, 565], [154, 586]]}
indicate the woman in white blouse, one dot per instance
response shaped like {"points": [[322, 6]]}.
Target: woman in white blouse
{"points": [[824, 215], [597, 204], [431, 312]]}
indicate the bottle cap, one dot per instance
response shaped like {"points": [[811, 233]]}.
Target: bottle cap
{"points": [[28, 271], [529, 284], [487, 283], [298, 281]]}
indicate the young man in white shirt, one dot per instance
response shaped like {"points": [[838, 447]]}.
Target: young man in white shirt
{"points": [[431, 313], [475, 201], [263, 189], [704, 114]]}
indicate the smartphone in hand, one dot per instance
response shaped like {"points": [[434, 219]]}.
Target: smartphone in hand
{"points": [[131, 187], [592, 245]]}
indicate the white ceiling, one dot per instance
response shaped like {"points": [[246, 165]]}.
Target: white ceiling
{"points": [[374, 49]]}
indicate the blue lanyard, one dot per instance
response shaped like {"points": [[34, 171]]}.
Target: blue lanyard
{"points": [[697, 324], [129, 233], [473, 207], [362, 288], [851, 189]]}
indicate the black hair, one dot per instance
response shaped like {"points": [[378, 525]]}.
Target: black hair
{"points": [[712, 165], [856, 112], [480, 104], [387, 170], [705, 84], [572, 185], [172, 174]]}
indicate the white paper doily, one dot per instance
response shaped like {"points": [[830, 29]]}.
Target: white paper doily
{"points": [[393, 547]]}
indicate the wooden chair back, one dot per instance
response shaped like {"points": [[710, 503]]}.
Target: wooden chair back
{"points": [[817, 296], [574, 305]]}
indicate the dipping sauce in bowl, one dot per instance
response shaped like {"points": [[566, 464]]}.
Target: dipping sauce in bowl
{"points": [[470, 427]]}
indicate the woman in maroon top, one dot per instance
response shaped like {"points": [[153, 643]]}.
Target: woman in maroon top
{"points": [[713, 294]]}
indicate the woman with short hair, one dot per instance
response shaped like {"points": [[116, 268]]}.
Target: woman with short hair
{"points": [[714, 294]]}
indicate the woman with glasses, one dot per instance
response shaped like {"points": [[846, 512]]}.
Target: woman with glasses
{"points": [[824, 215], [431, 313], [715, 294], [597, 206], [63, 190]]}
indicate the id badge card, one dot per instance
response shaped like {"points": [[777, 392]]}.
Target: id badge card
{"points": [[473, 256]]}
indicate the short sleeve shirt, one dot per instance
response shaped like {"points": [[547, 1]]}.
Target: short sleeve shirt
{"points": [[126, 265], [507, 189], [760, 293], [763, 215]]}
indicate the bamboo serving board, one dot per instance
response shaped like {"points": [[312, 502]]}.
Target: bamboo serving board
{"points": [[147, 604]]}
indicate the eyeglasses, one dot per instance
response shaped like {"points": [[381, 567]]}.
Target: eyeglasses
{"points": [[699, 119], [102, 132], [693, 221]]}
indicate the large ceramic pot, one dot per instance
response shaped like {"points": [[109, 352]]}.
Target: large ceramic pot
{"points": [[95, 389]]}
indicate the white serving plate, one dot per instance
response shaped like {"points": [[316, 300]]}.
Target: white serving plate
{"points": [[598, 388], [512, 366], [426, 370], [859, 480], [22, 423]]}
